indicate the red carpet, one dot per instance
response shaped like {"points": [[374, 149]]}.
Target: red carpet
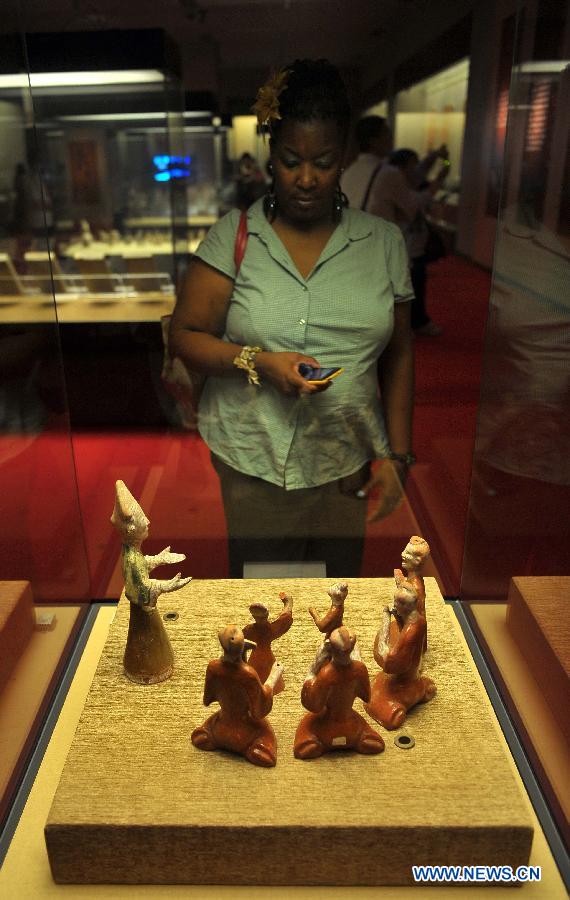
{"points": [[171, 474]]}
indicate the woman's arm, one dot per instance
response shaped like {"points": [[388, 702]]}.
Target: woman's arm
{"points": [[199, 319], [197, 326], [396, 371]]}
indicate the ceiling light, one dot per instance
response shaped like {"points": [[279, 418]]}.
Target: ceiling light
{"points": [[81, 79], [129, 117]]}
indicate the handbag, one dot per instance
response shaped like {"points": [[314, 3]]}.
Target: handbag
{"points": [[184, 385]]}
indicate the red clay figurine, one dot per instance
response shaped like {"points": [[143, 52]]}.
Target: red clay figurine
{"points": [[333, 618], [398, 651], [329, 691], [263, 632], [240, 725]]}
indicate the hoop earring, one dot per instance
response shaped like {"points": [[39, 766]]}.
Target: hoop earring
{"points": [[270, 204], [340, 202]]}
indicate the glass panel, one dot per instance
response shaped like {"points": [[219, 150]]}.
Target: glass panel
{"points": [[518, 523], [111, 145], [518, 512], [44, 578]]}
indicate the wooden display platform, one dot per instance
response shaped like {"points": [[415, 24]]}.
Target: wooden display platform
{"points": [[536, 725], [17, 623], [138, 803], [537, 620]]}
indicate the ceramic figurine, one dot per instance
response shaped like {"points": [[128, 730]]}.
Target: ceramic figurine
{"points": [[333, 618], [399, 653], [330, 689], [414, 556], [240, 725], [262, 632], [148, 655]]}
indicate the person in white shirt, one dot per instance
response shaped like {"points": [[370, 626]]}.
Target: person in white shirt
{"points": [[374, 140], [397, 198], [377, 184]]}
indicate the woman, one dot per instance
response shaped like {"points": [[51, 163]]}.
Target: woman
{"points": [[317, 286]]}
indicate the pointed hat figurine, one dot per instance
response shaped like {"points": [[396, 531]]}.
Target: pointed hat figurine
{"points": [[148, 655]]}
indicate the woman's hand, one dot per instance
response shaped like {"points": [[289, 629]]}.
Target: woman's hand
{"points": [[388, 479], [282, 369]]}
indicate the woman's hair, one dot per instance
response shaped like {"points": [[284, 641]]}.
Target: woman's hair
{"points": [[314, 90], [401, 158]]}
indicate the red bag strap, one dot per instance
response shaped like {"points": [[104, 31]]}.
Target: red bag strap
{"points": [[241, 240]]}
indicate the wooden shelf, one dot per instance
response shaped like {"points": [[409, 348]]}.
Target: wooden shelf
{"points": [[39, 308]]}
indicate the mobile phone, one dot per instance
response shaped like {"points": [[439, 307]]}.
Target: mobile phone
{"points": [[319, 376]]}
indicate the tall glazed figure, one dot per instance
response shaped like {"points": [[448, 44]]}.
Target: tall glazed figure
{"points": [[320, 285]]}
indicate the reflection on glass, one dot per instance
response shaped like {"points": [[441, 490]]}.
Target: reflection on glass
{"points": [[521, 474], [42, 555], [293, 456]]}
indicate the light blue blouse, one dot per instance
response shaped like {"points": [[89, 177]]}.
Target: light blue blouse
{"points": [[342, 314]]}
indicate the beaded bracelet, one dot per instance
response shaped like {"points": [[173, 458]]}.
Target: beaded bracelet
{"points": [[246, 361]]}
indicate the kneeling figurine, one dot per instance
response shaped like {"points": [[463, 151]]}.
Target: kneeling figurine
{"points": [[263, 632], [330, 689], [399, 653], [240, 725]]}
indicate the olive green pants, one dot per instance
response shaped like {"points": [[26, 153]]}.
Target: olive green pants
{"points": [[266, 523]]}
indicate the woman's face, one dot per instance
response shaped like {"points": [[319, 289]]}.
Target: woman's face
{"points": [[306, 160]]}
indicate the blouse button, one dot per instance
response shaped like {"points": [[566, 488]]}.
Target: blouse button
{"points": [[302, 321]]}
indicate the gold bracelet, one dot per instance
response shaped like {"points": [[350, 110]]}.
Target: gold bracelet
{"points": [[246, 361]]}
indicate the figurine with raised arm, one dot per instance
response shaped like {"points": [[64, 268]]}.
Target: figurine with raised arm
{"points": [[262, 632], [329, 692], [333, 618], [148, 655], [399, 653], [240, 725]]}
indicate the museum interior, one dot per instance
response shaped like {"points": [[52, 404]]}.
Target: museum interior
{"points": [[126, 134]]}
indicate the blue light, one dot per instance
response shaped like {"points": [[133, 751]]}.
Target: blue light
{"points": [[161, 162], [171, 167]]}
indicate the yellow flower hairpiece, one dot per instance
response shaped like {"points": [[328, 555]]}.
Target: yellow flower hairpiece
{"points": [[266, 106]]}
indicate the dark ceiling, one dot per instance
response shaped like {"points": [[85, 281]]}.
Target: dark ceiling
{"points": [[227, 46]]}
